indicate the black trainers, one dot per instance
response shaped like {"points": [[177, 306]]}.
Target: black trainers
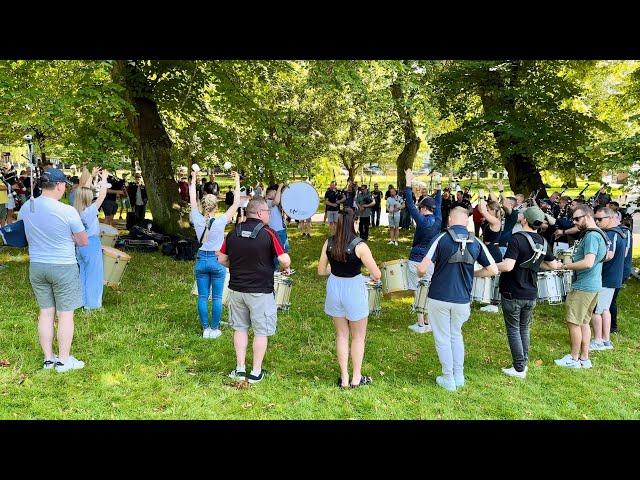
{"points": [[256, 378]]}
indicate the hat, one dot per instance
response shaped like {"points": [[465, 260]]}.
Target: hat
{"points": [[54, 175], [428, 202], [533, 215]]}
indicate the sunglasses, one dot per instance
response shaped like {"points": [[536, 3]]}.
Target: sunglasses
{"points": [[575, 219], [597, 219]]}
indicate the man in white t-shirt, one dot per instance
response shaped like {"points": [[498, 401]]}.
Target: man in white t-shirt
{"points": [[53, 230], [276, 223]]}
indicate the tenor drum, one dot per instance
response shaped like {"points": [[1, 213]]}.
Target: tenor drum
{"points": [[300, 200], [115, 263], [551, 287], [108, 235], [282, 289], [395, 276], [486, 290], [374, 289], [420, 299]]}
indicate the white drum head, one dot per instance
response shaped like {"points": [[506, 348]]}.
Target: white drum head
{"points": [[300, 200]]}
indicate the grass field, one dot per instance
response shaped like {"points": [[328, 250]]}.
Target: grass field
{"points": [[145, 358]]}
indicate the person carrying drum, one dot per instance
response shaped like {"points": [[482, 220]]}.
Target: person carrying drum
{"points": [[428, 218], [53, 229], [210, 274], [452, 256], [248, 251], [342, 257], [612, 273], [90, 256], [527, 253], [588, 255]]}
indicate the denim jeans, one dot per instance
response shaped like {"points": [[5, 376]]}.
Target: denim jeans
{"points": [[209, 276], [517, 318], [282, 236]]}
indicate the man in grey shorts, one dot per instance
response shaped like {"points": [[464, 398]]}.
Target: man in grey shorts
{"points": [[333, 206], [53, 230], [248, 252]]}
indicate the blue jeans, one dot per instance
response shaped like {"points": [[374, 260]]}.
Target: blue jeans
{"points": [[91, 272], [282, 235], [209, 277]]}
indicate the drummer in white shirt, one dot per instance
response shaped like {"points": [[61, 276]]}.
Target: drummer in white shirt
{"points": [[273, 197]]}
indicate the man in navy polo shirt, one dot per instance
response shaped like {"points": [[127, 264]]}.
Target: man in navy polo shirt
{"points": [[626, 273], [428, 218], [453, 254], [612, 271]]}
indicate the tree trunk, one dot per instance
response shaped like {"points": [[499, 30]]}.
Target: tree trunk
{"points": [[411, 140], [41, 141], [524, 176], [154, 147]]}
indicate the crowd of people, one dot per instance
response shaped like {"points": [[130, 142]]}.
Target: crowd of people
{"points": [[515, 236]]}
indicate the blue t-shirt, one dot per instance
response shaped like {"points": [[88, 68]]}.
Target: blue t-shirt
{"points": [[49, 229], [613, 269], [589, 279], [89, 217], [452, 282], [427, 226], [626, 271], [509, 222]]}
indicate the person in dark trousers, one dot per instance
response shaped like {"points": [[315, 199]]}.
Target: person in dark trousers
{"points": [[364, 201], [138, 197], [527, 253], [376, 209]]}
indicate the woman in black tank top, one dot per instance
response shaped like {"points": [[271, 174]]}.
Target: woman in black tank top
{"points": [[347, 300], [491, 227]]}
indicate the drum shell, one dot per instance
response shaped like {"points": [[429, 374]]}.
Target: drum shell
{"points": [[420, 300], [486, 290], [551, 287], [115, 263], [108, 235], [374, 290], [282, 286], [395, 276]]}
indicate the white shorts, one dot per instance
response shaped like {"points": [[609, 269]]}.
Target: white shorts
{"points": [[605, 297], [412, 274], [11, 203], [394, 220], [347, 297]]}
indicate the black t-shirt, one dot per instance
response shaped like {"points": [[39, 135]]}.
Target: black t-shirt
{"points": [[522, 283], [116, 184], [377, 196], [251, 259], [211, 188], [228, 198], [332, 196]]}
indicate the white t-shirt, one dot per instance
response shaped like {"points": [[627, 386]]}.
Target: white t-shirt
{"points": [[394, 204], [89, 217], [216, 232], [275, 219], [49, 229]]}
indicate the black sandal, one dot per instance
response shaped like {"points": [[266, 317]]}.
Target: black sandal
{"points": [[363, 381]]}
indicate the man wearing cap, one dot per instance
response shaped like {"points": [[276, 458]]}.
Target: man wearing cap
{"points": [[428, 218], [527, 253], [53, 230]]}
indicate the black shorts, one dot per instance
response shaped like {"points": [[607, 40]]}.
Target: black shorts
{"points": [[109, 207]]}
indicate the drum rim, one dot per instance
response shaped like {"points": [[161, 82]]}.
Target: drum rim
{"points": [[107, 250], [391, 262]]}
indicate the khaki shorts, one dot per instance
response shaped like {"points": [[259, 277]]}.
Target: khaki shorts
{"points": [[580, 306], [255, 310], [56, 286]]}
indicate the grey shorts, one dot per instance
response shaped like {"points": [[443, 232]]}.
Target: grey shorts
{"points": [[255, 310], [605, 297], [56, 286], [332, 217]]}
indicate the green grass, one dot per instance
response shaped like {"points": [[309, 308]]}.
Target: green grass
{"points": [[145, 358]]}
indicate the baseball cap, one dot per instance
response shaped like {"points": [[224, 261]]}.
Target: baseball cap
{"points": [[533, 215], [428, 202], [55, 175]]}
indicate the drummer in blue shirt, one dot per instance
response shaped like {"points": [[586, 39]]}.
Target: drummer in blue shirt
{"points": [[428, 218]]}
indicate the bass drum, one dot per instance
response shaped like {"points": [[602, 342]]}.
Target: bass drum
{"points": [[300, 200]]}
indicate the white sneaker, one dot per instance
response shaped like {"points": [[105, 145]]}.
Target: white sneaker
{"points": [[49, 364], [512, 372], [214, 333], [568, 361], [595, 346], [390, 242], [607, 345], [72, 363], [396, 243], [419, 328], [206, 333], [585, 363]]}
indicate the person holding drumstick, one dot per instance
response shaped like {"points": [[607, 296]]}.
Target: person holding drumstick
{"points": [[90, 256], [342, 257], [210, 274]]}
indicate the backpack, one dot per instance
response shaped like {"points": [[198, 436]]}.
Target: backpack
{"points": [[539, 250], [462, 255]]}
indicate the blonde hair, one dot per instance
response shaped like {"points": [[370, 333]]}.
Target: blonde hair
{"points": [[495, 208], [209, 204], [83, 198]]}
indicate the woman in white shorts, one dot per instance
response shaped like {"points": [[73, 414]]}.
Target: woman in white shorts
{"points": [[347, 301], [394, 205]]}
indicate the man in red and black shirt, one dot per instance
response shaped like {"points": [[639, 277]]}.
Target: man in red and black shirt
{"points": [[248, 251]]}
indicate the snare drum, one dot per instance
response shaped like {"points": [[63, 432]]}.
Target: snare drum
{"points": [[108, 235], [420, 299], [374, 289], [282, 289], [115, 263], [486, 290], [395, 276], [551, 287]]}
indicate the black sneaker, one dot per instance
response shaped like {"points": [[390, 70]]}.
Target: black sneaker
{"points": [[256, 378]]}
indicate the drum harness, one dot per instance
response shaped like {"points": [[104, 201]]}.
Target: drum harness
{"points": [[462, 255], [607, 242], [350, 248], [247, 234], [538, 251]]}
